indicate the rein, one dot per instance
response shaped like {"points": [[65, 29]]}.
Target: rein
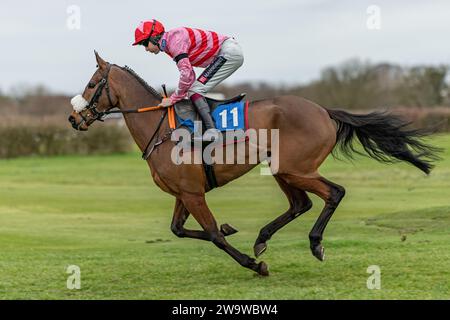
{"points": [[140, 110]]}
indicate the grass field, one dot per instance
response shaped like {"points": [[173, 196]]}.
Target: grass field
{"points": [[105, 215]]}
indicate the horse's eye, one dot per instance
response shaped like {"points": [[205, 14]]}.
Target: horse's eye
{"points": [[91, 85]]}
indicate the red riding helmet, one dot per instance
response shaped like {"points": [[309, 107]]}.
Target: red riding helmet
{"points": [[147, 29]]}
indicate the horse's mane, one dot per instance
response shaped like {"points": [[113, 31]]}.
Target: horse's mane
{"points": [[142, 82]]}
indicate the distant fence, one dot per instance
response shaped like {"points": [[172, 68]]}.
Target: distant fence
{"points": [[436, 118], [20, 136], [51, 136]]}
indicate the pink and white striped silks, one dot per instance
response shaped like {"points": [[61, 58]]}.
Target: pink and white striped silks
{"points": [[190, 48]]}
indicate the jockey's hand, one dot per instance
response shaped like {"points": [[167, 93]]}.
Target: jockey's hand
{"points": [[166, 102]]}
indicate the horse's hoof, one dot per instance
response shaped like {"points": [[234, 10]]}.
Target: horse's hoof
{"points": [[227, 230], [259, 248], [319, 252], [263, 269]]}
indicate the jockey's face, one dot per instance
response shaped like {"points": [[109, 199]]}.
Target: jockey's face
{"points": [[152, 48]]}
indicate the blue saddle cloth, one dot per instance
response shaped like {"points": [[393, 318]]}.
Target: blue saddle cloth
{"points": [[227, 116]]}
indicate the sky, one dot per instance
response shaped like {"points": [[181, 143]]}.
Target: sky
{"points": [[284, 42]]}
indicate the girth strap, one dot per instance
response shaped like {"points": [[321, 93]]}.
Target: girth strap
{"points": [[210, 176]]}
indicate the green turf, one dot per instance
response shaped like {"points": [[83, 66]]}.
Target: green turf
{"points": [[105, 215]]}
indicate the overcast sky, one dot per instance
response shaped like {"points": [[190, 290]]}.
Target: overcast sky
{"points": [[284, 41]]}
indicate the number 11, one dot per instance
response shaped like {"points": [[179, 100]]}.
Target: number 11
{"points": [[223, 115]]}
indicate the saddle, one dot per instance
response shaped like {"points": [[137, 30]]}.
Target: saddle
{"points": [[186, 113], [222, 111]]}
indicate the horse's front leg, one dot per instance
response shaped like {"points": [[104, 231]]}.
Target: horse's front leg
{"points": [[180, 216], [196, 205]]}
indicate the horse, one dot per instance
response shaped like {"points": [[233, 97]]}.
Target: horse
{"points": [[308, 133]]}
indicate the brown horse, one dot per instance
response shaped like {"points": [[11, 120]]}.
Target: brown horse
{"points": [[308, 133]]}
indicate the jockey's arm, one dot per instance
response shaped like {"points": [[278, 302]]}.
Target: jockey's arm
{"points": [[187, 78]]}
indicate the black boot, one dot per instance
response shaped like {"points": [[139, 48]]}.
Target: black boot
{"points": [[203, 109]]}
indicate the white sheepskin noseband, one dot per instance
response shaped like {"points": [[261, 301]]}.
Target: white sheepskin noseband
{"points": [[79, 103]]}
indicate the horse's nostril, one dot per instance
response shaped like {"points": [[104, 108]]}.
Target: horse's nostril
{"points": [[73, 122]]}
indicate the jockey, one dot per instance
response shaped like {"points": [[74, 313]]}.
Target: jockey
{"points": [[220, 56]]}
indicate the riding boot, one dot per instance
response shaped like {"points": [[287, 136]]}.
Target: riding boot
{"points": [[203, 109]]}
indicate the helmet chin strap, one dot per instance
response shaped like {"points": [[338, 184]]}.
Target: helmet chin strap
{"points": [[155, 40]]}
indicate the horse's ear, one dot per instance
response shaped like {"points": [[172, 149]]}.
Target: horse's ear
{"points": [[100, 62]]}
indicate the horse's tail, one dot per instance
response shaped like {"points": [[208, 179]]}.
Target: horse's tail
{"points": [[384, 137]]}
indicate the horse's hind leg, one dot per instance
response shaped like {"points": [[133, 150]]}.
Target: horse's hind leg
{"points": [[299, 203], [331, 193], [196, 205]]}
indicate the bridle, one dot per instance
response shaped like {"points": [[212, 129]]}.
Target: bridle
{"points": [[94, 114], [91, 108]]}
